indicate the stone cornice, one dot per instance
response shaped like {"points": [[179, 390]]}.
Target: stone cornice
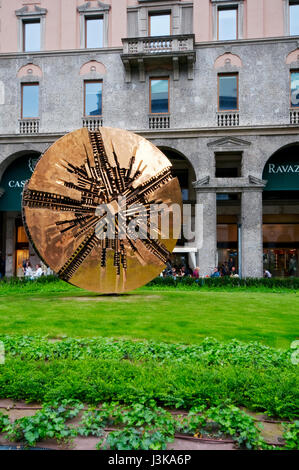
{"points": [[95, 53], [223, 45], [213, 132], [190, 133], [223, 185], [229, 45], [229, 143], [24, 11], [87, 8], [201, 182]]}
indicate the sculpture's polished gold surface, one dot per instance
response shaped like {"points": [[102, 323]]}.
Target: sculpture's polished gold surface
{"points": [[81, 183]]}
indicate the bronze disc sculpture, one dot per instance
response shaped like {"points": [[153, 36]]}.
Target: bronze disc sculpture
{"points": [[88, 209]]}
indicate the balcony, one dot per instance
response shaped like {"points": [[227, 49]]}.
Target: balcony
{"points": [[29, 126], [228, 119], [92, 123], [294, 116], [160, 121], [175, 50]]}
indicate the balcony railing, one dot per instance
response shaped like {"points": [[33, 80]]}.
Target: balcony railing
{"points": [[175, 50], [294, 116], [92, 123], [151, 45], [29, 126], [159, 122], [229, 119]]}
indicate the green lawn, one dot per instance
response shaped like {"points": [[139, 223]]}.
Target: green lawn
{"points": [[162, 315]]}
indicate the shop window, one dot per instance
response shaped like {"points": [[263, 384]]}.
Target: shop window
{"points": [[22, 248], [94, 32], [93, 98], [159, 95], [31, 35], [227, 24], [294, 18], [21, 235], [295, 89], [228, 99], [30, 100], [227, 248], [159, 24], [281, 249], [228, 165]]}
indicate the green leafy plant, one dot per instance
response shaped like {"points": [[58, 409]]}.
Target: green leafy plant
{"points": [[4, 421], [136, 439], [237, 424], [210, 351], [194, 423], [49, 422], [291, 435]]}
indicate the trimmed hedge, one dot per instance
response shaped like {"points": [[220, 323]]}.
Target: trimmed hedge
{"points": [[226, 281], [101, 369], [19, 281], [273, 390], [291, 283]]}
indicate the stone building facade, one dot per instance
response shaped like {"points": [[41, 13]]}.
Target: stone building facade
{"points": [[237, 161]]}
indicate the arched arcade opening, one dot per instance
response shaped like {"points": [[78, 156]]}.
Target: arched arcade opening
{"points": [[15, 248], [281, 212], [184, 252]]}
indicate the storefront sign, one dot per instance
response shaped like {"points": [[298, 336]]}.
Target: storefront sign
{"points": [[13, 181], [282, 175]]}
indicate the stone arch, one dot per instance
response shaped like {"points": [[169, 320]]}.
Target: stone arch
{"points": [[262, 150], [283, 163], [183, 169], [93, 66], [180, 155], [30, 70], [5, 164], [228, 59], [292, 57], [281, 211]]}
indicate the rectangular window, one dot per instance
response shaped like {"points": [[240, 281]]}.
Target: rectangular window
{"points": [[31, 35], [294, 19], [227, 24], [159, 96], [228, 92], [295, 89], [228, 165], [93, 98], [30, 100], [94, 32], [159, 24]]}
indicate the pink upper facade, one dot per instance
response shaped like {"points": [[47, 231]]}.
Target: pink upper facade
{"points": [[260, 19]]}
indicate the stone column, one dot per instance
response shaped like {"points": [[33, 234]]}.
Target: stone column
{"points": [[206, 231], [252, 233], [10, 244]]}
